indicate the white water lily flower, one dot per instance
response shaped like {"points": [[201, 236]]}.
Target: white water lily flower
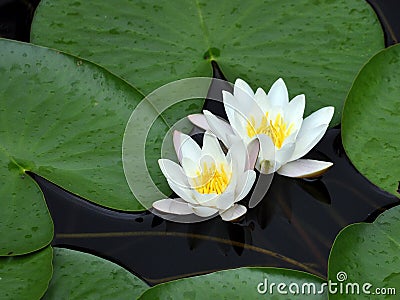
{"points": [[208, 181], [284, 136]]}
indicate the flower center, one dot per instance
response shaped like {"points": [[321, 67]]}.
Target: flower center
{"points": [[278, 130], [212, 179]]}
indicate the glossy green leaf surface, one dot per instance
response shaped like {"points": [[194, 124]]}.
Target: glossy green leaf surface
{"points": [[371, 118], [62, 118], [79, 275], [316, 46], [25, 223], [25, 277], [368, 253], [242, 283]]}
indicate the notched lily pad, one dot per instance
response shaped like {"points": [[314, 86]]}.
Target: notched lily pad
{"points": [[371, 118], [25, 223], [62, 118], [79, 275], [368, 253], [26, 277], [242, 283], [316, 46]]}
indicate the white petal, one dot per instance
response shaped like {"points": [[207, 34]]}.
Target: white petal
{"points": [[244, 185], [238, 153], [292, 137], [199, 120], [312, 130], [233, 213], [283, 154], [240, 112], [267, 147], [260, 190], [278, 94], [262, 101], [243, 85], [307, 140], [209, 160], [219, 127], [190, 168], [320, 117], [225, 201], [173, 172], [304, 168], [185, 193], [203, 211], [185, 146], [173, 206], [242, 91], [239, 126], [295, 109], [212, 148], [233, 139], [266, 159], [210, 199], [230, 105], [232, 183], [274, 112], [250, 110], [253, 149], [269, 165]]}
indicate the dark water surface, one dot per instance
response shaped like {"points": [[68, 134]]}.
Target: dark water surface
{"points": [[293, 227]]}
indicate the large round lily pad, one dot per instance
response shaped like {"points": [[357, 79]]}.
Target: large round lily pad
{"points": [[62, 118], [368, 254], [242, 283], [371, 118], [79, 275], [317, 46], [25, 277]]}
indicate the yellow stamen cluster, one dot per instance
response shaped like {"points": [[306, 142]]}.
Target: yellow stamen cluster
{"points": [[278, 130], [212, 180]]}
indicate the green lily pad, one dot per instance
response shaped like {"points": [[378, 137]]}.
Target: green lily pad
{"points": [[242, 283], [368, 253], [62, 118], [371, 118], [79, 275], [25, 223], [316, 46], [25, 277]]}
